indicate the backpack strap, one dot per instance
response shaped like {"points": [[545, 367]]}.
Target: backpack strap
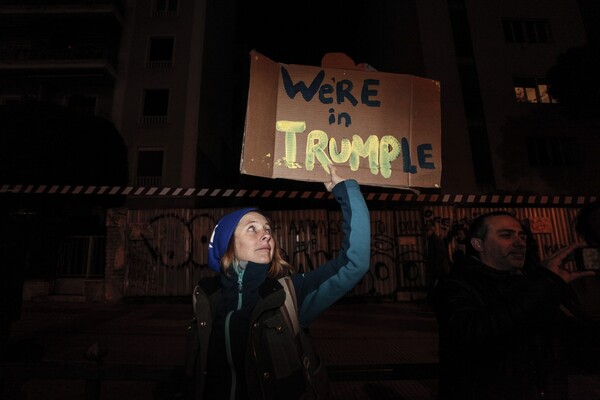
{"points": [[290, 307], [315, 371]]}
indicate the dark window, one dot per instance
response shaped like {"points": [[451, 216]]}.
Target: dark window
{"points": [[526, 31], [161, 49], [81, 256], [552, 152], [165, 7], [85, 104], [10, 100], [156, 102], [149, 167]]}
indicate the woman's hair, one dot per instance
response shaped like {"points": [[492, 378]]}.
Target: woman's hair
{"points": [[279, 267]]}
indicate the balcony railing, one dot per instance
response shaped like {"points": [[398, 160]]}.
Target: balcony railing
{"points": [[159, 64], [39, 6], [23, 53], [154, 120], [148, 181]]}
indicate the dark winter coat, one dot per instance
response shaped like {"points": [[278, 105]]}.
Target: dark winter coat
{"points": [[498, 336]]}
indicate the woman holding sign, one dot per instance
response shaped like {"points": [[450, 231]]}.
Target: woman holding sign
{"points": [[251, 321]]}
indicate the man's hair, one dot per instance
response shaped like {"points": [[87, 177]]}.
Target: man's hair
{"points": [[479, 227]]}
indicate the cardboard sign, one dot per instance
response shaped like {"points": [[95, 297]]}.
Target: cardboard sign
{"points": [[379, 128]]}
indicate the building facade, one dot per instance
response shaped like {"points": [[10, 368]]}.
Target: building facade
{"points": [[172, 76]]}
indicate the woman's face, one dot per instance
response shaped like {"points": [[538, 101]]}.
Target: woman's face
{"points": [[253, 241]]}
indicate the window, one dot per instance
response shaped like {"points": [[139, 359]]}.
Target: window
{"points": [[165, 8], [81, 256], [84, 104], [149, 167], [20, 49], [160, 52], [156, 107], [5, 100], [552, 152], [532, 90], [526, 31]]}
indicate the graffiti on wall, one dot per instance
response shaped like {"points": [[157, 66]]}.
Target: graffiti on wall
{"points": [[175, 243], [156, 250]]}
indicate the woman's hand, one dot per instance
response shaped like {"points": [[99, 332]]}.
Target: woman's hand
{"points": [[335, 178]]}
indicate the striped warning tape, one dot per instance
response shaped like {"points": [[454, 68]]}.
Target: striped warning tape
{"points": [[142, 191]]}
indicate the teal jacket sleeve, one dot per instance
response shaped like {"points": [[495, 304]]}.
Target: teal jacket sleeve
{"points": [[318, 289]]}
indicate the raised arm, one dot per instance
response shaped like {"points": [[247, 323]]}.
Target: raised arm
{"points": [[322, 287]]}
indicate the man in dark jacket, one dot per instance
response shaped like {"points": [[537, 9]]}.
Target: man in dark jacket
{"points": [[494, 319]]}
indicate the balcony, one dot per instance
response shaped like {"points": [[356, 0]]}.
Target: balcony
{"points": [[90, 60], [148, 181], [62, 7]]}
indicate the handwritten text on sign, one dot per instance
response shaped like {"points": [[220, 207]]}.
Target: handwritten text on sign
{"points": [[382, 126]]}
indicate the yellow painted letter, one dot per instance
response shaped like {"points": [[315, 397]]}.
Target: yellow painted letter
{"points": [[343, 155], [360, 149], [316, 142], [389, 150], [290, 128]]}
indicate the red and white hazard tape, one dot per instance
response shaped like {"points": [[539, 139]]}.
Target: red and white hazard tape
{"points": [[141, 191]]}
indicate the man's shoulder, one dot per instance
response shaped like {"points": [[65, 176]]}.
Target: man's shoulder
{"points": [[469, 279]]}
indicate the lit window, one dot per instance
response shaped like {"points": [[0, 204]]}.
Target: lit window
{"points": [[149, 167], [526, 30], [544, 95], [532, 90]]}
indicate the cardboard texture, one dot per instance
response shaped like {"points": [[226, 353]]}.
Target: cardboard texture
{"points": [[379, 128]]}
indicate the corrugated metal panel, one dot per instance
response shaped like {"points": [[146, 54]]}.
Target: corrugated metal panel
{"points": [[410, 249], [383, 277], [166, 250], [302, 237], [202, 225], [555, 227]]}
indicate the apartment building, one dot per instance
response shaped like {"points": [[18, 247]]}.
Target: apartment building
{"points": [[172, 76]]}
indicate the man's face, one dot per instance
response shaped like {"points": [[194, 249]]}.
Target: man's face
{"points": [[504, 245]]}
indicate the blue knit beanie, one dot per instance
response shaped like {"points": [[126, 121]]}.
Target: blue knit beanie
{"points": [[221, 235]]}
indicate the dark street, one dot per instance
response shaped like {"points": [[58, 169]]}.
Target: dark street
{"points": [[373, 350]]}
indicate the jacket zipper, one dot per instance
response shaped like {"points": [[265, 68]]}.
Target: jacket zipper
{"points": [[240, 272]]}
